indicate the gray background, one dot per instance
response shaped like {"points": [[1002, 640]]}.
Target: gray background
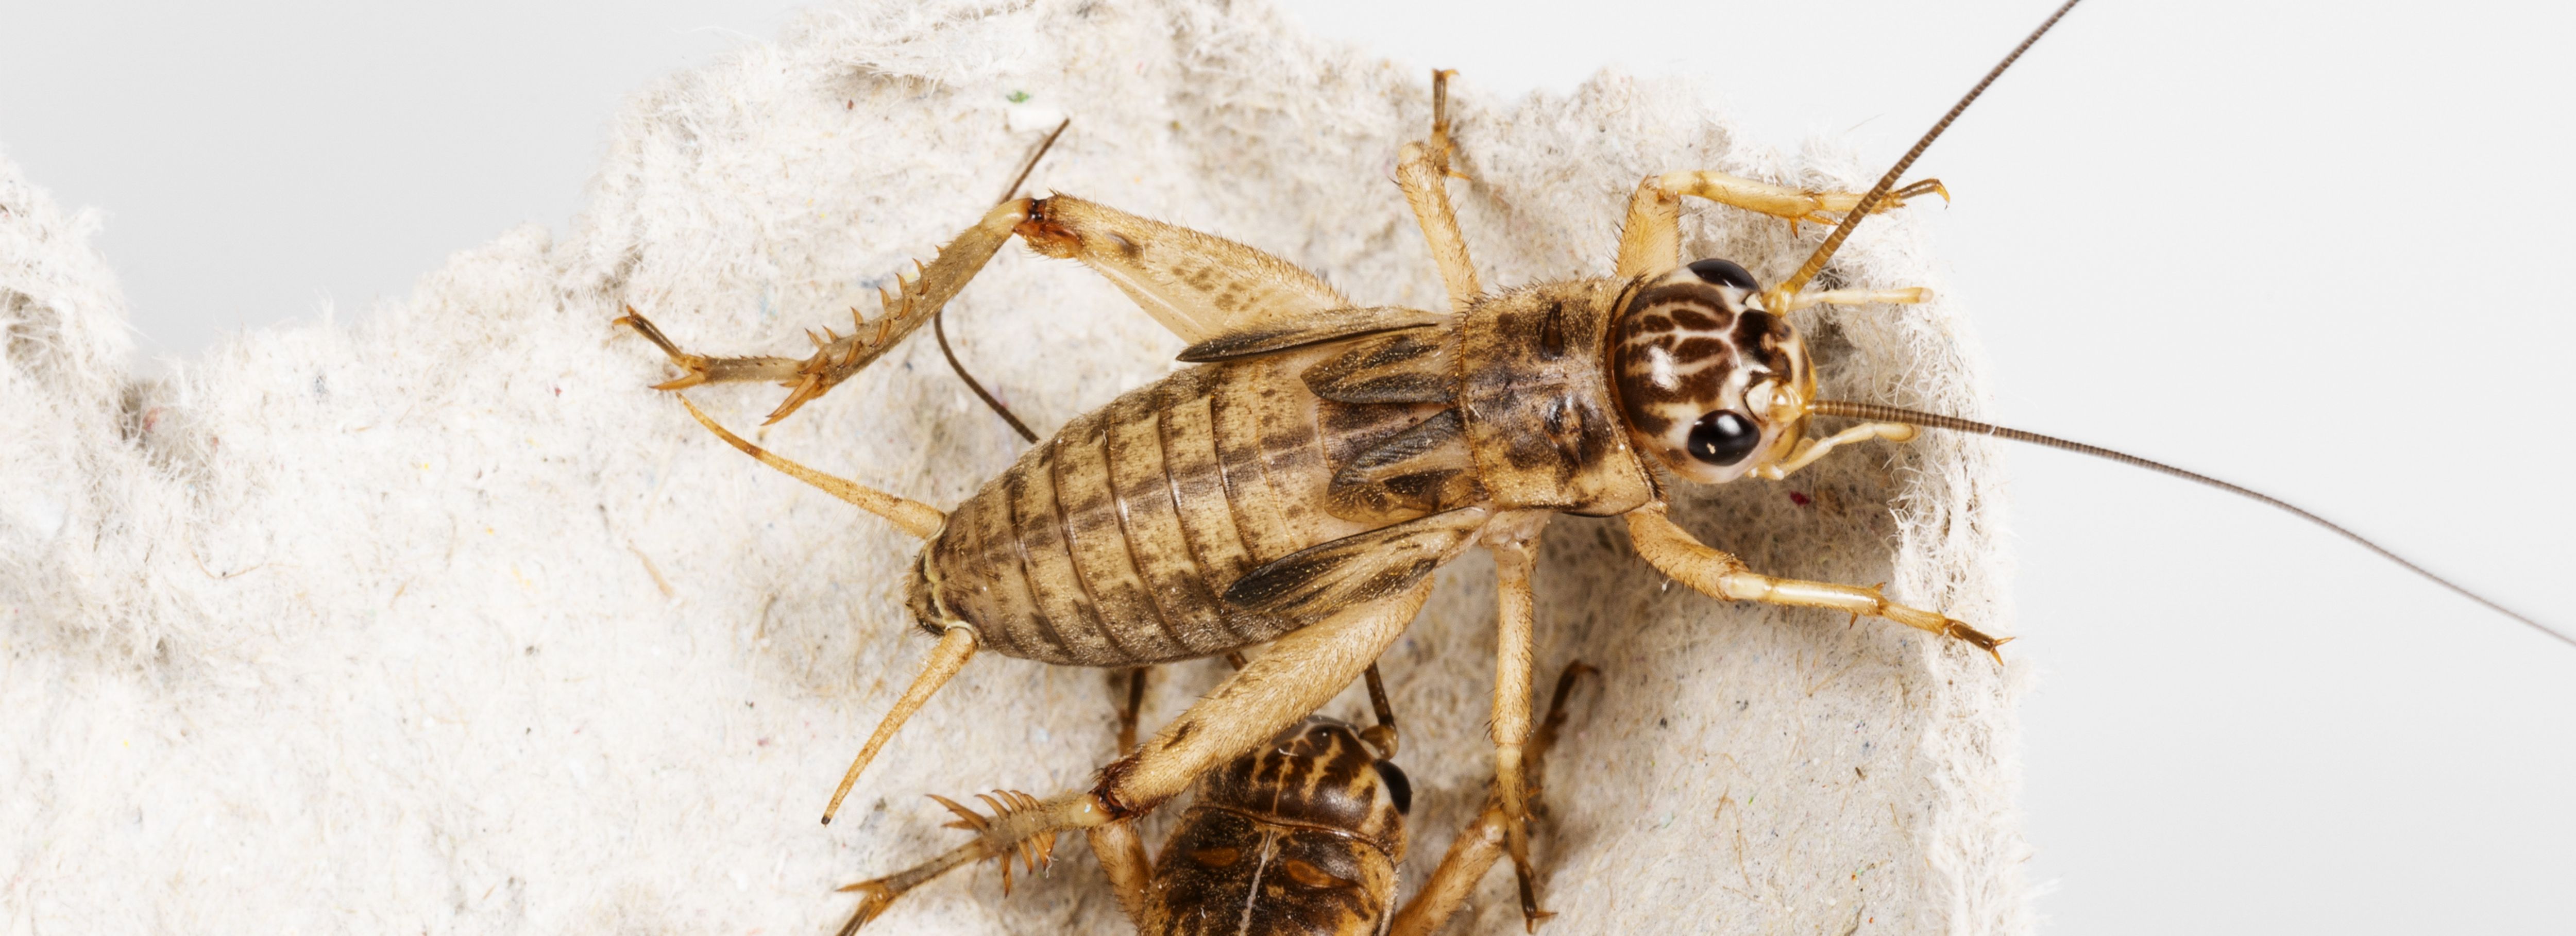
{"points": [[2318, 251]]}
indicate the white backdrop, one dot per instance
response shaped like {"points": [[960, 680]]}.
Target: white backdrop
{"points": [[2318, 257]]}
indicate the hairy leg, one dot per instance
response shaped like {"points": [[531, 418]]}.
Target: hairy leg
{"points": [[1514, 633], [1650, 242], [1714, 573], [1482, 842], [1301, 672], [1422, 171], [837, 357]]}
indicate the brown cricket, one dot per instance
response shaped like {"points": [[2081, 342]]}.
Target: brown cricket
{"points": [[1300, 485]]}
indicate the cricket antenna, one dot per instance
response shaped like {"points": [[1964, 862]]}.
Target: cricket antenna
{"points": [[1878, 413], [939, 325], [1779, 295]]}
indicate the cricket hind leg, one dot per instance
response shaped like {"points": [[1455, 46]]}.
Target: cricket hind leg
{"points": [[1302, 671], [837, 357], [1484, 840], [1195, 284], [1650, 241]]}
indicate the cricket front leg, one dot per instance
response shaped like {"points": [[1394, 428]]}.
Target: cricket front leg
{"points": [[1650, 242], [1422, 170], [1673, 551], [1301, 672], [837, 357]]}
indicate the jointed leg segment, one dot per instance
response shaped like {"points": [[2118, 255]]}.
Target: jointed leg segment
{"points": [[1514, 634], [838, 357], [1484, 839], [1302, 671], [1651, 240], [1717, 574], [1422, 170]]}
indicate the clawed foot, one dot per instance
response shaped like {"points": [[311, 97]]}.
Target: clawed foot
{"points": [[1980, 639], [1833, 206], [1526, 875], [1035, 852], [693, 366]]}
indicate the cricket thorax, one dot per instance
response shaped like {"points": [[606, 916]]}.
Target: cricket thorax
{"points": [[1708, 380], [1300, 836], [1537, 403]]}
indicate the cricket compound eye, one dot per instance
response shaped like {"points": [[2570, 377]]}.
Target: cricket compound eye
{"points": [[1723, 438], [1718, 272], [1398, 788]]}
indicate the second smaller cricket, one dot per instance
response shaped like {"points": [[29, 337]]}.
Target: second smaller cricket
{"points": [[1303, 836]]}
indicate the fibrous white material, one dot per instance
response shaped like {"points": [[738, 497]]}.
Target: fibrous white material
{"points": [[442, 621]]}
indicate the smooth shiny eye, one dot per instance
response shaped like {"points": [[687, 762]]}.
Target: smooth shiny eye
{"points": [[1725, 273], [1398, 788], [1723, 438]]}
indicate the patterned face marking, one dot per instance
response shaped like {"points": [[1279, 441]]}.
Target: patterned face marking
{"points": [[1708, 380]]}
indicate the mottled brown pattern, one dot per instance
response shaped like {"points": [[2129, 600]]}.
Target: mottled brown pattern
{"points": [[1110, 544], [1352, 431], [1423, 469], [1131, 537], [1198, 490], [1260, 512], [1148, 515], [1300, 836], [1415, 366], [1314, 583], [1537, 404]]}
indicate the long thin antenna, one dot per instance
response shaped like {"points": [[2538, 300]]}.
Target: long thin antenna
{"points": [[1032, 164], [1878, 413], [1869, 202], [938, 320]]}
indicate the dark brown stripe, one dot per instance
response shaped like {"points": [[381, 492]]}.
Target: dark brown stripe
{"points": [[1038, 613], [1253, 493], [1196, 479], [1130, 527], [1105, 628], [1051, 573]]}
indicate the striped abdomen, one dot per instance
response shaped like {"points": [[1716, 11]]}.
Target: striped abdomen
{"points": [[1110, 544], [1301, 836]]}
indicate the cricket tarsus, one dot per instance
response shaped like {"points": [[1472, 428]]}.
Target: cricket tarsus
{"points": [[1876, 412]]}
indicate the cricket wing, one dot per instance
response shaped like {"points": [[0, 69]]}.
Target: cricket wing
{"points": [[1313, 583]]}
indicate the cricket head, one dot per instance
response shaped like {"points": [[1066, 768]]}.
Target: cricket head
{"points": [[1710, 382]]}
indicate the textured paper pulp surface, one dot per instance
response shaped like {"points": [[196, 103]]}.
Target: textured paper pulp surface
{"points": [[442, 622]]}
